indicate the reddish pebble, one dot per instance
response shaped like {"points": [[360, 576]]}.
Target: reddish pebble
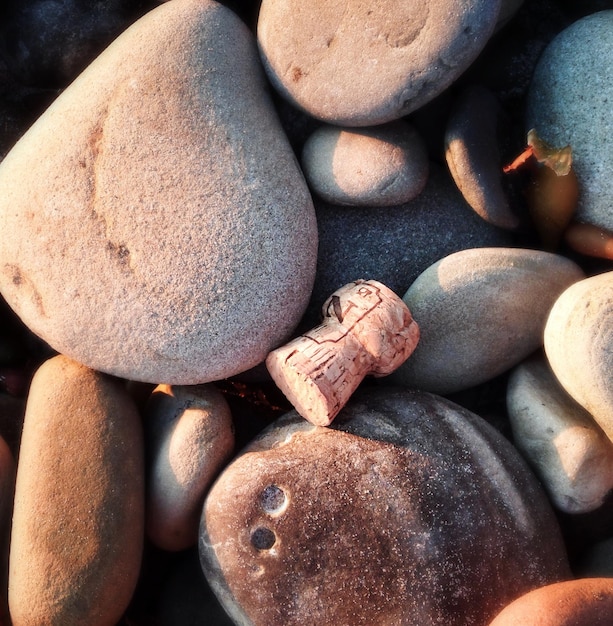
{"points": [[580, 602], [590, 240]]}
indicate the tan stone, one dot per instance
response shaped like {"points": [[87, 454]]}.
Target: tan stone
{"points": [[78, 521], [189, 437]]}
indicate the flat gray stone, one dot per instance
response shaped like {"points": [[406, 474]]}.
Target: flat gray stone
{"points": [[480, 312], [376, 519], [355, 63], [569, 103], [161, 229]]}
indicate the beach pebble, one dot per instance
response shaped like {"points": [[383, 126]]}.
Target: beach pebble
{"points": [[377, 519], [579, 602], [78, 521], [189, 437], [395, 244], [561, 441], [361, 64], [378, 166], [480, 312], [136, 198], [578, 337], [569, 103], [473, 157]]}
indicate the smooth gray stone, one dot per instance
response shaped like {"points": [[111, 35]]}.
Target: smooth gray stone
{"points": [[376, 519], [559, 438], [161, 229], [356, 63], [480, 312], [569, 103]]}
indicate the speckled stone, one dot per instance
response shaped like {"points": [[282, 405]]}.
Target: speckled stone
{"points": [[189, 437], [386, 517], [480, 312], [162, 230], [78, 521], [559, 438], [578, 339], [569, 102], [355, 63], [579, 602], [395, 244], [379, 166]]}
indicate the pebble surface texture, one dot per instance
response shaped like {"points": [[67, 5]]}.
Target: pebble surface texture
{"points": [[578, 337], [78, 521], [159, 172], [379, 166], [580, 602], [395, 505], [559, 438], [569, 102], [189, 437], [357, 63], [480, 312]]}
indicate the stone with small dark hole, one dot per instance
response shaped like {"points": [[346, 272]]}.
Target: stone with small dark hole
{"points": [[408, 510]]}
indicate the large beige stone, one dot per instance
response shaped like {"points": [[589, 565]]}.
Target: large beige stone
{"points": [[155, 223], [78, 521]]}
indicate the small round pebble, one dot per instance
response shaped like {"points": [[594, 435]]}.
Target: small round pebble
{"points": [[379, 166], [354, 63], [384, 518], [189, 437]]}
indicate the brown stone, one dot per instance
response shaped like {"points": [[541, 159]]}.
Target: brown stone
{"points": [[581, 602], [407, 510], [79, 501]]}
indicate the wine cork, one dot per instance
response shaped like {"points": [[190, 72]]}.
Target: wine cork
{"points": [[366, 329]]}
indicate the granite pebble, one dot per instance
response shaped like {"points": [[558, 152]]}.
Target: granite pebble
{"points": [[559, 438], [480, 312], [159, 170], [354, 63], [383, 518], [189, 438], [378, 166]]}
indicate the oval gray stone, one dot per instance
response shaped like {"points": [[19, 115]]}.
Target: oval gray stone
{"points": [[375, 520], [161, 229], [578, 340], [569, 103], [356, 63], [480, 312], [559, 438], [379, 166]]}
